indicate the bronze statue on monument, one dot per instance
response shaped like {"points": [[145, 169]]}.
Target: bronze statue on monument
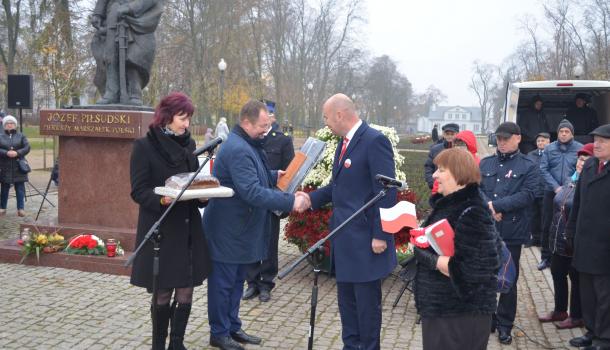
{"points": [[124, 48]]}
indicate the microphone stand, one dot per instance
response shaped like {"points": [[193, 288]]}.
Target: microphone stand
{"points": [[316, 254], [154, 236]]}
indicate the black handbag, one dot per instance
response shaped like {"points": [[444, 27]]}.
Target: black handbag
{"points": [[23, 165]]}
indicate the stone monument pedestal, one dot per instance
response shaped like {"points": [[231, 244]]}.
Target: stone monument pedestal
{"points": [[94, 182]]}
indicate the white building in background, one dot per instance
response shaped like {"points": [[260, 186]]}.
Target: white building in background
{"points": [[468, 118]]}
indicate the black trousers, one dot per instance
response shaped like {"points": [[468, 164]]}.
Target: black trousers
{"points": [[507, 303], [561, 268], [547, 219], [536, 225], [457, 332], [595, 299], [261, 274]]}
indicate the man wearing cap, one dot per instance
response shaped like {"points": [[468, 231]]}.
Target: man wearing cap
{"points": [[542, 140], [449, 132], [508, 182], [583, 117], [557, 165], [280, 151], [588, 233], [532, 122]]}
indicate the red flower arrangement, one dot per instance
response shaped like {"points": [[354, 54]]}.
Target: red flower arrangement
{"points": [[86, 245], [305, 229]]}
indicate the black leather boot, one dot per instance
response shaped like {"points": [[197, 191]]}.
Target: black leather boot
{"points": [[180, 318], [163, 313]]}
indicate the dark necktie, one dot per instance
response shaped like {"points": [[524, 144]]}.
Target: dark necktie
{"points": [[600, 168]]}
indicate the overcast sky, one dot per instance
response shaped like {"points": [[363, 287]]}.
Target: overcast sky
{"points": [[435, 42]]}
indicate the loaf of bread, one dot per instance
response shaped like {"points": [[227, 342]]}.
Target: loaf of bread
{"points": [[178, 181]]}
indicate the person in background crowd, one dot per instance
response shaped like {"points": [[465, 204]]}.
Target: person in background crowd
{"points": [[209, 135], [532, 122], [449, 132], [557, 164], [561, 260], [456, 296], [509, 182], [588, 236], [583, 117], [542, 140], [13, 146], [464, 139], [238, 228], [362, 253], [167, 150], [435, 133], [280, 151], [222, 130]]}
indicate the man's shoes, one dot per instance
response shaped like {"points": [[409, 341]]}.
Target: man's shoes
{"points": [[2, 212], [504, 336], [242, 337], [553, 316], [21, 212], [544, 264], [585, 340], [596, 347], [264, 295], [250, 293], [570, 323], [225, 343]]}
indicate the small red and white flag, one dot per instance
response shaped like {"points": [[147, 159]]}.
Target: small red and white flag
{"points": [[401, 215]]}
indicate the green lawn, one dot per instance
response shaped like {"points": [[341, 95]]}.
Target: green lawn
{"points": [[414, 169]]}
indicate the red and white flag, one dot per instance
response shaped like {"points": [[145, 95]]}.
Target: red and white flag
{"points": [[401, 215]]}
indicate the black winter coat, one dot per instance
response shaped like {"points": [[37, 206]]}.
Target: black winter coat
{"points": [[184, 259], [562, 205], [471, 289], [589, 222], [429, 167], [510, 183], [536, 156], [278, 148], [9, 170]]}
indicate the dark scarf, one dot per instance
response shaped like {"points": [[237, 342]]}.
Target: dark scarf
{"points": [[173, 148], [506, 156], [12, 131], [257, 145]]}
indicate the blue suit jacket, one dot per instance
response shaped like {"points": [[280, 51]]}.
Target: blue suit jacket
{"points": [[369, 153], [238, 228]]}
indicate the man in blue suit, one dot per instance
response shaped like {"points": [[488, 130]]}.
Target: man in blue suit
{"points": [[238, 228], [362, 253]]}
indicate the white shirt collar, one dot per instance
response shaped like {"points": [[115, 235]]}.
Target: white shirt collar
{"points": [[352, 131]]}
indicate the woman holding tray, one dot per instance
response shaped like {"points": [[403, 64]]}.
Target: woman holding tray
{"points": [[167, 150], [456, 296]]}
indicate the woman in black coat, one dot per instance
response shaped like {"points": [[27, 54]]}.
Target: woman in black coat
{"points": [[456, 296], [561, 260], [167, 150], [13, 146]]}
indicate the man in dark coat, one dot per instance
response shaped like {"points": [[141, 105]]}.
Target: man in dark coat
{"points": [[588, 232], [532, 122], [238, 228], [449, 132], [280, 151], [141, 18], [435, 133], [583, 117], [509, 180], [362, 253], [542, 140], [557, 165]]}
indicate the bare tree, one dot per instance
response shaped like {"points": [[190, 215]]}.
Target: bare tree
{"points": [[483, 83]]}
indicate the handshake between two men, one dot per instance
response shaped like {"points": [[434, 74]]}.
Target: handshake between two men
{"points": [[302, 202]]}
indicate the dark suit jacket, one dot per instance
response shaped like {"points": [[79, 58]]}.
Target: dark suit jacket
{"points": [[369, 153], [589, 221]]}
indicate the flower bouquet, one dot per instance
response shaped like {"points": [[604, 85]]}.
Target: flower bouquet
{"points": [[86, 244], [305, 229], [37, 242]]}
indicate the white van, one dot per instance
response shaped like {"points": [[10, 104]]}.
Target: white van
{"points": [[557, 97]]}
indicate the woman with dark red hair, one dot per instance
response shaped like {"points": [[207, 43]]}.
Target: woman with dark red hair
{"points": [[166, 150]]}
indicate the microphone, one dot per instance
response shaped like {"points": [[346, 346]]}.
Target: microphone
{"points": [[208, 146], [390, 182]]}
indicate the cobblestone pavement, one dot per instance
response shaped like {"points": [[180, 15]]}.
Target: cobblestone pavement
{"points": [[52, 308]]}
